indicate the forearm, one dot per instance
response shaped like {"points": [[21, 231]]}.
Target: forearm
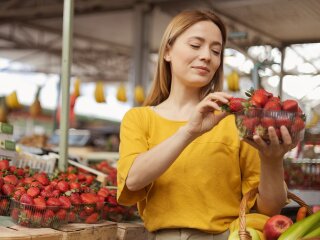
{"points": [[272, 191], [152, 164]]}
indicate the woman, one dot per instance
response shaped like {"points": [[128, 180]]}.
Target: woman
{"points": [[181, 158]]}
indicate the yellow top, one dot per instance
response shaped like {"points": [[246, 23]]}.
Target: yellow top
{"points": [[203, 188]]}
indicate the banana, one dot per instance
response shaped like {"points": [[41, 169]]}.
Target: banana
{"points": [[12, 101], [253, 220], [121, 93], [233, 81], [35, 108], [314, 120], [99, 92], [139, 94], [76, 87]]}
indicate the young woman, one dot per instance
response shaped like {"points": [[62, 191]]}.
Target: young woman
{"points": [[181, 158]]}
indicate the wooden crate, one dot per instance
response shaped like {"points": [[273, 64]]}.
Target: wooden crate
{"points": [[132, 231], [100, 231]]}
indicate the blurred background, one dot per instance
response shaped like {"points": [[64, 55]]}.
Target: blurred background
{"points": [[273, 44]]}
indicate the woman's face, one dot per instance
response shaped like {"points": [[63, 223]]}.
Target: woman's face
{"points": [[195, 54]]}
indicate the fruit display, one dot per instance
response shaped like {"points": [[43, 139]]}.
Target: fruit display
{"points": [[302, 173], [262, 110]]}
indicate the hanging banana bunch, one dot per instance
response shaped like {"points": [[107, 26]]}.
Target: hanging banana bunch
{"points": [[314, 120], [122, 93], [233, 81], [139, 94], [12, 101], [76, 87], [99, 92], [35, 108], [3, 110]]}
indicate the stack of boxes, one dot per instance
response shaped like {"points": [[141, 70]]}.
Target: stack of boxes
{"points": [[7, 144]]}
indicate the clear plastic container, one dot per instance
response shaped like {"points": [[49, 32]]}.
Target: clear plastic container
{"points": [[36, 217], [4, 205], [256, 121]]}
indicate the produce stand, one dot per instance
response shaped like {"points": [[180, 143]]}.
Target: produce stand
{"points": [[105, 230]]}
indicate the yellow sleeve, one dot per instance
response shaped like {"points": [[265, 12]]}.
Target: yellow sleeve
{"points": [[250, 169], [133, 141]]}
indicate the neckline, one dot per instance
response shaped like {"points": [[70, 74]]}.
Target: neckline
{"points": [[164, 118]]}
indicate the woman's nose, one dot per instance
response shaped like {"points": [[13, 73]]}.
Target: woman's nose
{"points": [[205, 54]]}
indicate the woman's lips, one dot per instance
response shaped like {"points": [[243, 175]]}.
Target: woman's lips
{"points": [[202, 70]]}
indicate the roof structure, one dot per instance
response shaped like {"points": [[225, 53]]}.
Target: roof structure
{"points": [[104, 36]]}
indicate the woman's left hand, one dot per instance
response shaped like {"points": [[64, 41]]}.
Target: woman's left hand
{"points": [[274, 151]]}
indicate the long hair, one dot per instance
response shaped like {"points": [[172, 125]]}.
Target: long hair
{"points": [[161, 85]]}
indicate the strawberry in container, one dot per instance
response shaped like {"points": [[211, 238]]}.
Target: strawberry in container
{"points": [[262, 110], [10, 178], [86, 207], [112, 211]]}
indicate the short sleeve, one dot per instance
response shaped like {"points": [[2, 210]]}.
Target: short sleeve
{"points": [[133, 141], [250, 169]]}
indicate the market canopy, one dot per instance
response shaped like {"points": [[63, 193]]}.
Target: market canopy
{"points": [[104, 31]]}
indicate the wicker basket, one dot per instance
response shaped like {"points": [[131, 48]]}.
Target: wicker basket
{"points": [[243, 233]]}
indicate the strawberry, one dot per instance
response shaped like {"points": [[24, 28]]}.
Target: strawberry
{"points": [[74, 185], [15, 214], [33, 191], [93, 218], [7, 189], [250, 123], [18, 193], [234, 105], [19, 172], [4, 164], [65, 201], [48, 217], [61, 214], [1, 183], [43, 179], [268, 122], [53, 203], [4, 205], [40, 203], [258, 97], [75, 198], [72, 217], [26, 199], [89, 209], [290, 105], [72, 177], [63, 186], [272, 106], [283, 121], [36, 219], [89, 198], [298, 125], [11, 179]]}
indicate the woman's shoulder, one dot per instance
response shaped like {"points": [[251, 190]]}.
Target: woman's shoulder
{"points": [[137, 113]]}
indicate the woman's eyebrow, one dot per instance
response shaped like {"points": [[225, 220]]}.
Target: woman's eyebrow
{"points": [[202, 40]]}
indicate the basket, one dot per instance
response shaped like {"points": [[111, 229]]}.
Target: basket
{"points": [[35, 217], [256, 121], [86, 213], [243, 233]]}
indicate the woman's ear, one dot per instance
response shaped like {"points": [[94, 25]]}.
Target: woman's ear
{"points": [[166, 56]]}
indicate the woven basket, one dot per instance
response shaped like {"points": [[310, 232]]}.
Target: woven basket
{"points": [[243, 233]]}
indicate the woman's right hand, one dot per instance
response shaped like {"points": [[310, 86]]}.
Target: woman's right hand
{"points": [[204, 117]]}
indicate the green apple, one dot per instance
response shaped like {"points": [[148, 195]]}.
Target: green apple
{"points": [[235, 234]]}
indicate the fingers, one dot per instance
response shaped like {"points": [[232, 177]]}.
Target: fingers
{"points": [[274, 140], [218, 97]]}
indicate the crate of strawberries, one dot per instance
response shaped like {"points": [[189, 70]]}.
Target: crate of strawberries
{"points": [[261, 110]]}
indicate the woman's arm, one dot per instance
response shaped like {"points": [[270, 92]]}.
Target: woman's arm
{"points": [[143, 171], [272, 191]]}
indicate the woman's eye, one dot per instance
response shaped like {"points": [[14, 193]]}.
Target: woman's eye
{"points": [[194, 46], [216, 52]]}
